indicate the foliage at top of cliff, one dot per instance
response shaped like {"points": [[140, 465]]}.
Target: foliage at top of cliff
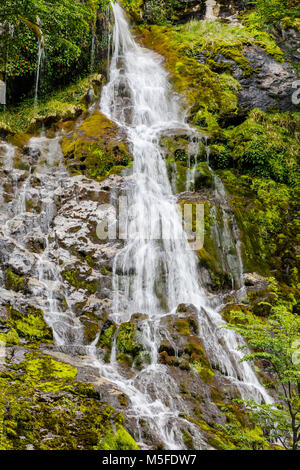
{"points": [[63, 28], [272, 11]]}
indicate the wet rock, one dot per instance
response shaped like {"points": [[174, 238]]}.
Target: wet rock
{"points": [[187, 309], [256, 281]]}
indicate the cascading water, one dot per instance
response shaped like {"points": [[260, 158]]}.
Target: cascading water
{"points": [[18, 226], [211, 7]]}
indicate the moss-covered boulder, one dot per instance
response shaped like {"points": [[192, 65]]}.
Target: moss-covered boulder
{"points": [[95, 147], [14, 281], [43, 407], [130, 348], [182, 347], [28, 327]]}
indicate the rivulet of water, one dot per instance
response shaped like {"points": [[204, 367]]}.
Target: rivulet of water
{"points": [[38, 68]]}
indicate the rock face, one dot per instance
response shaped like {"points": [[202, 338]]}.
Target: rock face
{"points": [[231, 7], [269, 86]]}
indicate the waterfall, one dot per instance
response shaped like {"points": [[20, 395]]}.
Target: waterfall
{"points": [[211, 8], [139, 83], [37, 76]]}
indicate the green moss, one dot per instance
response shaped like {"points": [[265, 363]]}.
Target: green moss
{"points": [[107, 333], [91, 326], [216, 94], [266, 145], [14, 281], [41, 405], [30, 326], [125, 359], [182, 326], [10, 338], [188, 439], [126, 339], [134, 7], [198, 359], [118, 439], [46, 373], [203, 177]]}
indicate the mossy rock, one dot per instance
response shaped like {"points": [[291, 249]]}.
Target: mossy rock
{"points": [[203, 177], [142, 360], [19, 140], [91, 324], [42, 407], [95, 148], [67, 113], [30, 326], [14, 281], [106, 338], [262, 309], [79, 281], [231, 313], [126, 340], [118, 438]]}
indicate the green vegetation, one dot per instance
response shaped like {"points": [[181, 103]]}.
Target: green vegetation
{"points": [[212, 96], [30, 327], [76, 280], [118, 439], [266, 146], [64, 28], [43, 407], [158, 12], [14, 281], [106, 338], [62, 105], [269, 12], [209, 88], [275, 341]]}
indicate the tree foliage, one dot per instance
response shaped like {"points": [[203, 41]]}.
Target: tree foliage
{"points": [[65, 29]]}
